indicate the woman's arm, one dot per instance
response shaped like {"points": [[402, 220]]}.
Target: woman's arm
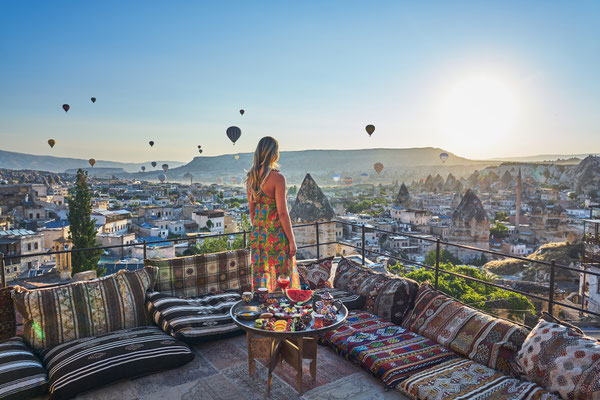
{"points": [[251, 205], [282, 211]]}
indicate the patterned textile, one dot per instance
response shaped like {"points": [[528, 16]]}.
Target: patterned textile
{"points": [[462, 379], [199, 319], [89, 363], [562, 361], [388, 351], [270, 248], [56, 315], [352, 301], [197, 275], [316, 274], [490, 341], [396, 299], [8, 319], [22, 375], [387, 296]]}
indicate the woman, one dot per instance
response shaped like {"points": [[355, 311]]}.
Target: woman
{"points": [[272, 238]]}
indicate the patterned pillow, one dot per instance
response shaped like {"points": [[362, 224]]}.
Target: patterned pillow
{"points": [[8, 319], [316, 274], [559, 359], [197, 275], [80, 365], [22, 375], [56, 315], [488, 340], [195, 320], [387, 296]]}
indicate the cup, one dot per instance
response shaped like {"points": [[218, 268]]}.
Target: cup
{"points": [[262, 294], [318, 324], [247, 297]]}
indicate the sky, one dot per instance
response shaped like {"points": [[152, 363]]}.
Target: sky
{"points": [[480, 79]]}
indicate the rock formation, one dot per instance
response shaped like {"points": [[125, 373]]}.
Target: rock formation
{"points": [[403, 198], [470, 226]]}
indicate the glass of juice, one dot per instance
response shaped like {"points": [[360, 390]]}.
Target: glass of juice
{"points": [[283, 281]]}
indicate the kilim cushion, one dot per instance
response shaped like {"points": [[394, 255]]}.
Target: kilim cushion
{"points": [[562, 361], [84, 364], [56, 315], [8, 320], [465, 379], [22, 375], [315, 274], [352, 301], [387, 296], [197, 319], [197, 275], [388, 351], [488, 340]]}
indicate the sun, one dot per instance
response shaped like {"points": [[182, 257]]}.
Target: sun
{"points": [[478, 109]]}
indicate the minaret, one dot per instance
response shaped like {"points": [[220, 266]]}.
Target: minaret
{"points": [[518, 211]]}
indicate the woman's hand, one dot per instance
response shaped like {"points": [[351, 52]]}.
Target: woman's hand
{"points": [[293, 249]]}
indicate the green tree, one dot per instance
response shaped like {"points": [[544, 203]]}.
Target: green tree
{"points": [[83, 228], [501, 216], [499, 230], [293, 190], [446, 257], [477, 295]]}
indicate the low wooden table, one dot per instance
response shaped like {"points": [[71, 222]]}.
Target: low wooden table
{"points": [[293, 347]]}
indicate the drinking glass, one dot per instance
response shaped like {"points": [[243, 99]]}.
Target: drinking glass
{"points": [[283, 281], [247, 297]]}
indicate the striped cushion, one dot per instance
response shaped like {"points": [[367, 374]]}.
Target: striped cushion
{"points": [[388, 351], [85, 364], [460, 379], [352, 301], [21, 373], [56, 315], [197, 275], [194, 320]]}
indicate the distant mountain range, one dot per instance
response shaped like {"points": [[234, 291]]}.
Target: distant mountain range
{"points": [[13, 160], [545, 157]]}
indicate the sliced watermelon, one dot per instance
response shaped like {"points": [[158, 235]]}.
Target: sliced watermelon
{"points": [[298, 296]]}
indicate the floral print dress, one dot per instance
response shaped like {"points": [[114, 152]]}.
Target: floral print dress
{"points": [[270, 248]]}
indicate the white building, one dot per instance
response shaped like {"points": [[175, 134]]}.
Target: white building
{"points": [[213, 220]]}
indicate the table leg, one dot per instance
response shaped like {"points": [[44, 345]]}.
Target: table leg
{"points": [[251, 362], [300, 344], [275, 355]]}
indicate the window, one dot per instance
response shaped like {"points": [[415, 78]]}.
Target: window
{"points": [[29, 246], [35, 245]]}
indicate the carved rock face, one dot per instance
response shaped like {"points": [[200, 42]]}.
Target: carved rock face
{"points": [[403, 197], [311, 204]]}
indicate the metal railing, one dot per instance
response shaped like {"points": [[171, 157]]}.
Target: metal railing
{"points": [[551, 265]]}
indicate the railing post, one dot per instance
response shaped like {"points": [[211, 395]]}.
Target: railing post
{"points": [[2, 270], [145, 249], [363, 244], [437, 262], [245, 242], [318, 244], [551, 294]]}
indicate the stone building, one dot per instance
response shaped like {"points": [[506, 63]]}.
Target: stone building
{"points": [[470, 226], [312, 206]]}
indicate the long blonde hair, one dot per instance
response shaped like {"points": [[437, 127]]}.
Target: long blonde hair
{"points": [[265, 159]]}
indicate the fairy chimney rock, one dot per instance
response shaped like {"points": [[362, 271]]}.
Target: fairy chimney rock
{"points": [[311, 204], [403, 197], [470, 226]]}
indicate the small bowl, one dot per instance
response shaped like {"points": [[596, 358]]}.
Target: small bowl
{"points": [[266, 315], [248, 313]]}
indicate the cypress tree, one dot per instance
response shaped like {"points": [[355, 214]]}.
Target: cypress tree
{"points": [[83, 229]]}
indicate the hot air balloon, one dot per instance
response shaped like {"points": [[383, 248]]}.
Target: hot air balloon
{"points": [[199, 146], [92, 162], [151, 143], [234, 133], [242, 112], [51, 142], [233, 179], [143, 168], [153, 164], [237, 157], [348, 181], [370, 129], [162, 178], [364, 176], [165, 167], [93, 99], [378, 167], [66, 107], [444, 157], [336, 177], [200, 151], [219, 180]]}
